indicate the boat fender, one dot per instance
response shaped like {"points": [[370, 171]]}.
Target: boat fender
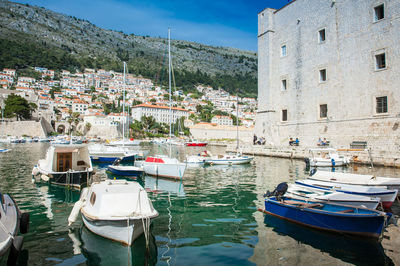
{"points": [[35, 171], [24, 223], [44, 178], [15, 250], [77, 206], [75, 212], [333, 162]]}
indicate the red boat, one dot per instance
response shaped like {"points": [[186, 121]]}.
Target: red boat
{"points": [[196, 144]]}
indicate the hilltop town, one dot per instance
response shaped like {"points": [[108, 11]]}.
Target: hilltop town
{"points": [[90, 102]]}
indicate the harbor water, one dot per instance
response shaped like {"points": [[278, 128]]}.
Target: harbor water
{"points": [[208, 218]]}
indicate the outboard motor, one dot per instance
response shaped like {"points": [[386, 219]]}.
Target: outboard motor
{"points": [[313, 171], [307, 161], [117, 161], [278, 192]]}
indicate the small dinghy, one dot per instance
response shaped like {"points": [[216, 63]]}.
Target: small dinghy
{"points": [[324, 216], [300, 192], [229, 159], [12, 221], [4, 150], [386, 196], [125, 170], [115, 209], [356, 179], [195, 161]]}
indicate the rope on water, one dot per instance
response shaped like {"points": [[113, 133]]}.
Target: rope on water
{"points": [[168, 258]]}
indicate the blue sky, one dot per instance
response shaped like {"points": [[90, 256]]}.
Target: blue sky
{"points": [[231, 23]]}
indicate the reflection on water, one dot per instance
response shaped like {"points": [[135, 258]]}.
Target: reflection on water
{"points": [[209, 217], [346, 248], [100, 251]]}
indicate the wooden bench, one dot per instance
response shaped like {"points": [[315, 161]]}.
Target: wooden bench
{"points": [[358, 145]]}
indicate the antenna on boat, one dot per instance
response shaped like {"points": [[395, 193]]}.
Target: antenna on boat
{"points": [[237, 123], [123, 109]]}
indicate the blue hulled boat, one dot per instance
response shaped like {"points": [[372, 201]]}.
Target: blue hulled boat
{"points": [[126, 170], [329, 217]]}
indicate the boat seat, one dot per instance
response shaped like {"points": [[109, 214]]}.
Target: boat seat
{"points": [[346, 211], [314, 205]]}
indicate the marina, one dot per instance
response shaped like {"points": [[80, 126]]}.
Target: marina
{"points": [[210, 216]]}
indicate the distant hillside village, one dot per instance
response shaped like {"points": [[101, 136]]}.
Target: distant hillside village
{"points": [[90, 102]]}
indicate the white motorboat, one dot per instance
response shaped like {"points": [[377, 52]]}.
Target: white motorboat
{"points": [[164, 166], [356, 179], [304, 192], [124, 142], [386, 196], [195, 160], [326, 158], [125, 170], [108, 154], [115, 209], [12, 221], [67, 165], [229, 159]]}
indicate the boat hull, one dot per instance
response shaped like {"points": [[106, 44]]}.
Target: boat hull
{"points": [[327, 163], [10, 219], [364, 225], [123, 231], [120, 172], [111, 159], [76, 180], [196, 144], [175, 171], [230, 161]]}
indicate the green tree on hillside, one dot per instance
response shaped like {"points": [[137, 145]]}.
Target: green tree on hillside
{"points": [[17, 106]]}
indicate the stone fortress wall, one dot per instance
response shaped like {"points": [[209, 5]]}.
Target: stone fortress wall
{"points": [[348, 54]]}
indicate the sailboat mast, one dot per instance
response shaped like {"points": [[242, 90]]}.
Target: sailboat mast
{"points": [[237, 123], [169, 85], [123, 109]]}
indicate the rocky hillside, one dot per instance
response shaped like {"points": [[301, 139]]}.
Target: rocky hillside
{"points": [[83, 44]]}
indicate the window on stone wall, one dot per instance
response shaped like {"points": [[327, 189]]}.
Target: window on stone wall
{"points": [[283, 84], [381, 105], [321, 36], [379, 12], [323, 111], [284, 115], [322, 75], [380, 61], [283, 50]]}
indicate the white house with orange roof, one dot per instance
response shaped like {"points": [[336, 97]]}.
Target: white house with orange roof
{"points": [[79, 106], [160, 113], [11, 72], [222, 120], [118, 117]]}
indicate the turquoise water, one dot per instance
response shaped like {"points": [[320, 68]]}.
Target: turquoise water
{"points": [[210, 218]]}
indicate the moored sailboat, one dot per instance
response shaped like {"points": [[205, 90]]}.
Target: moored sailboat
{"points": [[162, 165]]}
